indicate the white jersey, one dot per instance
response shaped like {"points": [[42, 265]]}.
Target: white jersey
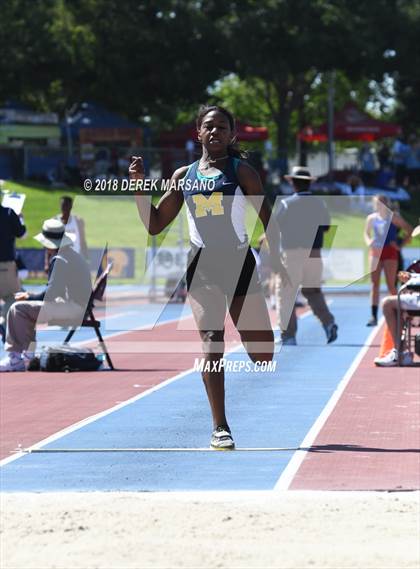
{"points": [[72, 227]]}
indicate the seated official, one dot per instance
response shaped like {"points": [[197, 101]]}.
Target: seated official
{"points": [[408, 301], [11, 226], [64, 299]]}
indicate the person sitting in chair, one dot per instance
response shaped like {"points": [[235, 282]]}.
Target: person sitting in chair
{"points": [[64, 300], [408, 301]]}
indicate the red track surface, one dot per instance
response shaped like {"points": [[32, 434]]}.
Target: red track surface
{"points": [[36, 405], [371, 440]]}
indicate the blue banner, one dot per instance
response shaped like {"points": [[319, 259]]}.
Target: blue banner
{"points": [[122, 258]]}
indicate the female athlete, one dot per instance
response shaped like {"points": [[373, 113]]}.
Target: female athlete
{"points": [[383, 249], [221, 272]]}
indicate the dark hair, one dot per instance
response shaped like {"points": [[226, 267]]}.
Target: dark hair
{"points": [[383, 199], [233, 148], [67, 199]]}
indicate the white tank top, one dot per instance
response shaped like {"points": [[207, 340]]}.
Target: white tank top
{"points": [[72, 227]]}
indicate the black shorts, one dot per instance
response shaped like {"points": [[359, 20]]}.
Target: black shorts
{"points": [[229, 270]]}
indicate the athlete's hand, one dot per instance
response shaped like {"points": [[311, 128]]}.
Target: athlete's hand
{"points": [[136, 169]]}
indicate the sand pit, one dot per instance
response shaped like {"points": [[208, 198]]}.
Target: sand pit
{"points": [[253, 530]]}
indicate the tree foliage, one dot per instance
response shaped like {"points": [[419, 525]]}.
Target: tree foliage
{"points": [[158, 57], [133, 57], [406, 66], [289, 45]]}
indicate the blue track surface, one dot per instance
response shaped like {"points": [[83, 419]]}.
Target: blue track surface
{"points": [[265, 410]]}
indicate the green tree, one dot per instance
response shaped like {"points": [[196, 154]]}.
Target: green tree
{"points": [[133, 57], [46, 53], [246, 99], [405, 66], [287, 45]]}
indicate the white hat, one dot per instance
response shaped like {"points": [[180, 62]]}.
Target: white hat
{"points": [[416, 231], [53, 235], [300, 173]]}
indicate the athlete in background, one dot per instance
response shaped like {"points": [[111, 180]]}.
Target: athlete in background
{"points": [[383, 249]]}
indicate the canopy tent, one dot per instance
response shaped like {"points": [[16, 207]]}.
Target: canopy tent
{"points": [[93, 124], [351, 124], [180, 135]]}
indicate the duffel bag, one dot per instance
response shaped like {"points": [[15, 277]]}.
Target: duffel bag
{"points": [[68, 358]]}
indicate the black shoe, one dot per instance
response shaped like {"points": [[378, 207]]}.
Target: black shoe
{"points": [[372, 322], [34, 364], [331, 332], [221, 438]]}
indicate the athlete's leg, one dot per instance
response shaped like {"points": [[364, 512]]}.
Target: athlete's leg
{"points": [[250, 316], [390, 270], [208, 305], [375, 267]]}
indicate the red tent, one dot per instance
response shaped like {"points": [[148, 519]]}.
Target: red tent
{"points": [[179, 136], [351, 124]]}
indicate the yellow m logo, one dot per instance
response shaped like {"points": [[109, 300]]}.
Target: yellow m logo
{"points": [[211, 204]]}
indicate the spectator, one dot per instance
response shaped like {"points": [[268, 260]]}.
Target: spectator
{"points": [[384, 177], [123, 164], [75, 226], [11, 226], [383, 155], [399, 154], [354, 182], [367, 164], [64, 299], [413, 162], [102, 163]]}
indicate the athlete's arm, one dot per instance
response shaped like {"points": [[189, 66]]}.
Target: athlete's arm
{"points": [[401, 223], [156, 218], [251, 186]]}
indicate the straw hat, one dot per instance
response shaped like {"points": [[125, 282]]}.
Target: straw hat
{"points": [[300, 173], [53, 235]]}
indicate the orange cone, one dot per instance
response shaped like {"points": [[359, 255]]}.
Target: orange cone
{"points": [[387, 343]]}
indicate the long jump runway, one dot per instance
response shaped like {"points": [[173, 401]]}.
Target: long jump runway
{"points": [[325, 419]]}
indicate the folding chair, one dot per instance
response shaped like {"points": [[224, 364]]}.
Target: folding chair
{"points": [[89, 320], [407, 316]]}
